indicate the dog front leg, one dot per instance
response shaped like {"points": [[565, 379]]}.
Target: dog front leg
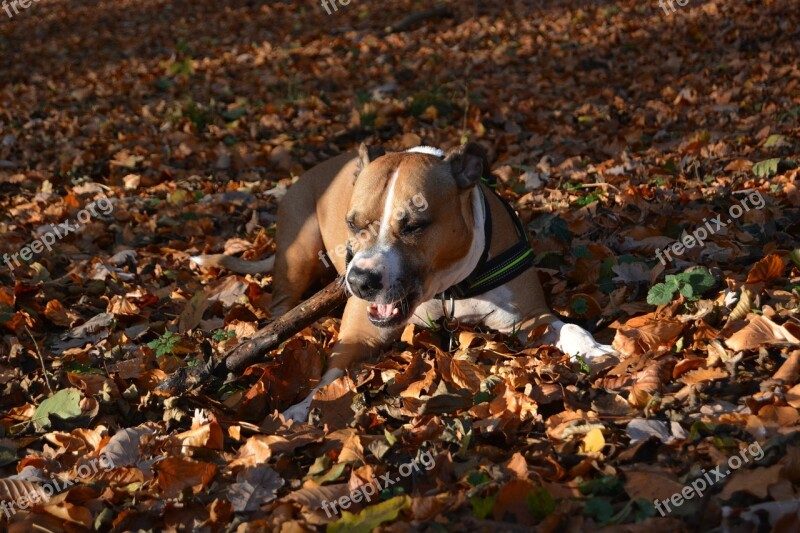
{"points": [[358, 339]]}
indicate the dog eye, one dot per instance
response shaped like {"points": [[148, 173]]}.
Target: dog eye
{"points": [[351, 226], [414, 227]]}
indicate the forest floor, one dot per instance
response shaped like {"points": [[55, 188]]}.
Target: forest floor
{"points": [[167, 129]]}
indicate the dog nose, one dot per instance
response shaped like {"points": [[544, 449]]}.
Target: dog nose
{"points": [[364, 283]]}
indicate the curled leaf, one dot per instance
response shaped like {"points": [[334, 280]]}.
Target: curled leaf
{"points": [[742, 307]]}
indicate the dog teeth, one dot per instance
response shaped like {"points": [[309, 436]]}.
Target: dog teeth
{"points": [[384, 311]]}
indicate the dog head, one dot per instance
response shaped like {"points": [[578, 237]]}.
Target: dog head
{"points": [[416, 227]]}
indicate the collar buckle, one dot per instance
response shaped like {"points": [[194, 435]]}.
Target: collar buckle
{"points": [[449, 321]]}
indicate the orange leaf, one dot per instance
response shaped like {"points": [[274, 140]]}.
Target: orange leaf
{"points": [[335, 401], [701, 375], [690, 363], [466, 375], [511, 504], [759, 331], [71, 513], [178, 473], [646, 333], [518, 465], [254, 452], [58, 315], [770, 267], [204, 436]]}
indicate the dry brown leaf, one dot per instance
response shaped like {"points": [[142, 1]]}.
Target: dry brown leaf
{"points": [[743, 306], [755, 481], [650, 483], [427, 508], [687, 364], [352, 450], [205, 436], [69, 512], [790, 369], [511, 503], [408, 376], [313, 495], [563, 425], [254, 452], [518, 465], [766, 269], [192, 313], [418, 388], [793, 396], [176, 474], [759, 331], [466, 375], [780, 416], [60, 316], [702, 375], [649, 381], [335, 402], [122, 306], [646, 333], [14, 490]]}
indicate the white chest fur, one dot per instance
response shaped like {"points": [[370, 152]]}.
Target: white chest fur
{"points": [[494, 309]]}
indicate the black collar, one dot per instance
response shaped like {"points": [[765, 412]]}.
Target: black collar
{"points": [[491, 273]]}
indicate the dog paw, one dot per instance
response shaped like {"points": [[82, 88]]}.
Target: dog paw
{"points": [[588, 353], [298, 412], [576, 341]]}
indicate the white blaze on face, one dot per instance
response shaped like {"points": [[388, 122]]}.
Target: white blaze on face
{"points": [[382, 257], [386, 255], [388, 209]]}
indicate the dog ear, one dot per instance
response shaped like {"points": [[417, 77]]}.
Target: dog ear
{"points": [[468, 163], [366, 155]]}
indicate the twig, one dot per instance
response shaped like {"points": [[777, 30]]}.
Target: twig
{"points": [[41, 359]]}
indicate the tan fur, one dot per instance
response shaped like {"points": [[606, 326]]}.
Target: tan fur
{"points": [[312, 217]]}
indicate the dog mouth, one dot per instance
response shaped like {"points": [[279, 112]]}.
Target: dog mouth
{"points": [[389, 314]]}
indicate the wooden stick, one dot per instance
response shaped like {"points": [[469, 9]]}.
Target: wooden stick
{"points": [[270, 337], [267, 338], [41, 360]]}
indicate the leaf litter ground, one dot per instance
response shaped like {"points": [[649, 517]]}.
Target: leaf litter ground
{"points": [[615, 130]]}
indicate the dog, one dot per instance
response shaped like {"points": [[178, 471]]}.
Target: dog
{"points": [[413, 233]]}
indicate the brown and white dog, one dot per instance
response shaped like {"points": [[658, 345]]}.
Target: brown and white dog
{"points": [[402, 227]]}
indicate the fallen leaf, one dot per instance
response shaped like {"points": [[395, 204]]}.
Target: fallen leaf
{"points": [[254, 487], [371, 517], [175, 474]]}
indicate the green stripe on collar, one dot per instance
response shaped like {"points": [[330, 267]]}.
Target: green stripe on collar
{"points": [[499, 270]]}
